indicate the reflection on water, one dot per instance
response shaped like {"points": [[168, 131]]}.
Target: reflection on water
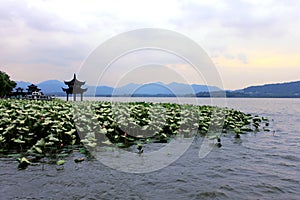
{"points": [[256, 166]]}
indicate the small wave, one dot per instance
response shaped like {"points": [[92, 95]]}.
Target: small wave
{"points": [[211, 195]]}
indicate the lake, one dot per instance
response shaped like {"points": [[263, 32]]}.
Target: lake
{"points": [[263, 165]]}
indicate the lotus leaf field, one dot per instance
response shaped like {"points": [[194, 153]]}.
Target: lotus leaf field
{"points": [[52, 129]]}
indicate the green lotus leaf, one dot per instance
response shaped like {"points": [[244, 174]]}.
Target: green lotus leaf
{"points": [[106, 123], [84, 140], [25, 129], [39, 150], [237, 130], [47, 122], [232, 126], [53, 139], [107, 142], [60, 162], [49, 143], [80, 128], [62, 155], [92, 144], [71, 132], [14, 155], [110, 130], [103, 130], [186, 131], [213, 137], [9, 128], [2, 139], [9, 111], [164, 135], [41, 142], [121, 145], [145, 128], [245, 128], [19, 141], [204, 128], [73, 141], [23, 163]]}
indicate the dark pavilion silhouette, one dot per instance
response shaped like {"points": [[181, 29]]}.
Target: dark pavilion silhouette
{"points": [[19, 94], [74, 87], [33, 93], [32, 88]]}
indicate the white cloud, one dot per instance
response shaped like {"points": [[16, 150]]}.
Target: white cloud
{"points": [[62, 33]]}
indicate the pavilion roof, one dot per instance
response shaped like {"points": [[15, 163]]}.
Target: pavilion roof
{"points": [[74, 81]]}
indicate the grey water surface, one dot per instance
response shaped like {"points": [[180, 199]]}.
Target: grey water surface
{"points": [[263, 165]]}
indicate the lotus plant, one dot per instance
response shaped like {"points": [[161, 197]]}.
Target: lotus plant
{"points": [[49, 128]]}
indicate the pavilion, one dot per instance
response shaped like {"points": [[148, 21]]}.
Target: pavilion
{"points": [[32, 88], [74, 87]]}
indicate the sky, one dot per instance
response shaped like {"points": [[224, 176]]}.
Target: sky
{"points": [[249, 42]]}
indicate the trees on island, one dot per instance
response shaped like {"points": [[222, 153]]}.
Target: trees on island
{"points": [[6, 85]]}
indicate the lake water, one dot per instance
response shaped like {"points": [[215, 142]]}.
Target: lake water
{"points": [[258, 166]]}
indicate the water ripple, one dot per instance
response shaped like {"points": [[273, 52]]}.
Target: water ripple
{"points": [[258, 166]]}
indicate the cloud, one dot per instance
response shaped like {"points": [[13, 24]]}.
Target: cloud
{"points": [[32, 35], [58, 35], [20, 12], [241, 18]]}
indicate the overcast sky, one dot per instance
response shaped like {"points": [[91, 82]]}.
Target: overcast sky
{"points": [[250, 42]]}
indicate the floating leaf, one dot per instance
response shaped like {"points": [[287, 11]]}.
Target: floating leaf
{"points": [[39, 150], [41, 142], [23, 163], [14, 155], [19, 141], [52, 138], [60, 162], [107, 142], [2, 139], [213, 137], [49, 143], [70, 132], [92, 144], [77, 160]]}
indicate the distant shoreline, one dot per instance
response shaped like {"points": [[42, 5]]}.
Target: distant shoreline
{"points": [[279, 90], [230, 97]]}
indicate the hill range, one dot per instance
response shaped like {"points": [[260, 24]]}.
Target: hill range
{"points": [[158, 89]]}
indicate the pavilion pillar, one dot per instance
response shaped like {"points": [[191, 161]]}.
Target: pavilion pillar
{"points": [[81, 96], [74, 96], [67, 96]]}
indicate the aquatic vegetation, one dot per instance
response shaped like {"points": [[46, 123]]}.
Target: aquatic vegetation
{"points": [[53, 128]]}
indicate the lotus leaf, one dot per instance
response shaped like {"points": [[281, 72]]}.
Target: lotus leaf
{"points": [[60, 162]]}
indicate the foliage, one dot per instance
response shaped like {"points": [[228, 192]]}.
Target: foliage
{"points": [[49, 128], [6, 85]]}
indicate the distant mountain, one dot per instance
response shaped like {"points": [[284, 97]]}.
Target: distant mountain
{"points": [[161, 89], [276, 90], [49, 87], [279, 90], [22, 84], [289, 89], [204, 88], [53, 87], [152, 89], [99, 91], [127, 89]]}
